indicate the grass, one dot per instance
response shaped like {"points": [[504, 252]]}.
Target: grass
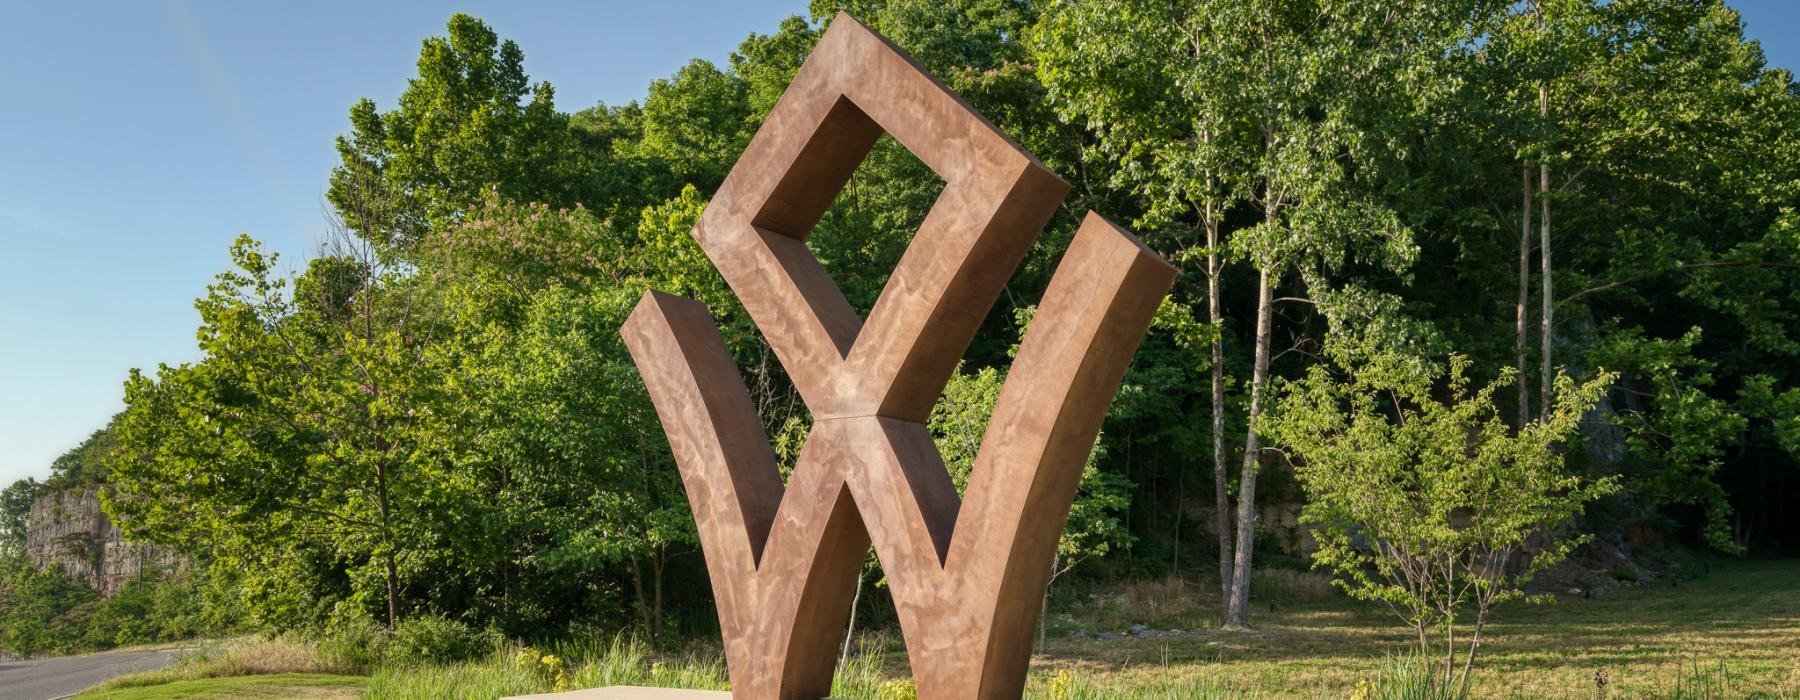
{"points": [[519, 670], [241, 668], [1732, 633], [279, 685]]}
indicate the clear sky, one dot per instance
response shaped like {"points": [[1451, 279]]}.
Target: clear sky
{"points": [[138, 138]]}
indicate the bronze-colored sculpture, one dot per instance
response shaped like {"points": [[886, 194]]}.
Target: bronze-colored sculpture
{"points": [[967, 574]]}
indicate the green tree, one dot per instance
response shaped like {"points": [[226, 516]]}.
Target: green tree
{"points": [[85, 464], [1432, 505], [41, 610], [1676, 433], [15, 515], [551, 445], [299, 424], [1270, 108], [470, 124], [697, 122], [1651, 129]]}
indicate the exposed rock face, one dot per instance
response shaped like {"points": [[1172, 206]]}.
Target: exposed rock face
{"points": [[69, 528]]}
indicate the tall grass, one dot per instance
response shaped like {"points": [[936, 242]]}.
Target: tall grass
{"points": [[1405, 677], [568, 665], [245, 657], [1069, 685], [1704, 683]]}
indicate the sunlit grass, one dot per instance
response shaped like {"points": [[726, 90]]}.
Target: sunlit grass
{"points": [[1739, 626], [318, 686], [1732, 633]]}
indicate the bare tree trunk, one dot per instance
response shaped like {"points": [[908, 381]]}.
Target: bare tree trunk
{"points": [[638, 597], [387, 547], [1449, 651], [1237, 609], [657, 562], [1522, 329], [1462, 681], [1044, 605], [1545, 387], [1221, 485], [393, 590], [850, 629]]}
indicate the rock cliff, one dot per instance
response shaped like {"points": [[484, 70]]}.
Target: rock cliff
{"points": [[69, 528]]}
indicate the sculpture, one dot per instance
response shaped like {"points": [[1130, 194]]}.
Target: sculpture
{"points": [[967, 573]]}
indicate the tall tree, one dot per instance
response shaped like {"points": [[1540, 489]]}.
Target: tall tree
{"points": [[300, 421], [471, 123], [1266, 115], [15, 515], [1650, 126]]}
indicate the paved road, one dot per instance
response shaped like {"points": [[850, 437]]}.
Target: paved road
{"points": [[60, 676]]}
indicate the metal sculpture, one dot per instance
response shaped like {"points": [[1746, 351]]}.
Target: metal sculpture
{"points": [[966, 573]]}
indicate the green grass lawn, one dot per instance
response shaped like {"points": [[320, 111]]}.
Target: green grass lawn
{"points": [[1738, 625], [279, 685]]}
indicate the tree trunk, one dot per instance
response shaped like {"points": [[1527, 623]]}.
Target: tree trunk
{"points": [[1044, 605], [1221, 486], [657, 563], [1522, 328], [1545, 387], [638, 597], [1462, 681], [850, 629], [1237, 609], [1449, 651], [385, 511], [393, 590]]}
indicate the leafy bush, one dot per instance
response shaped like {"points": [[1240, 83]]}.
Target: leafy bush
{"points": [[430, 639], [42, 611], [354, 643], [1420, 497]]}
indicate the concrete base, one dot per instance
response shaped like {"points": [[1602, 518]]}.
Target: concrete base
{"points": [[630, 692]]}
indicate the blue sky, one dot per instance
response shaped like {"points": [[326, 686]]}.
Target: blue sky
{"points": [[138, 138]]}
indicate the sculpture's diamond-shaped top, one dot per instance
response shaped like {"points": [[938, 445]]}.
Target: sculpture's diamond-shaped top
{"points": [[996, 198]]}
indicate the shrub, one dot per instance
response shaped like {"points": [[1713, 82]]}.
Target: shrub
{"points": [[42, 611], [354, 643], [430, 639]]}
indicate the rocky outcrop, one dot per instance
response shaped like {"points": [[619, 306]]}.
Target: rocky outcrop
{"points": [[68, 528]]}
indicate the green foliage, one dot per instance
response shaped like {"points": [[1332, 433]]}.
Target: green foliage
{"points": [[958, 425], [471, 124], [46, 612], [42, 611], [435, 640], [15, 515], [85, 464], [1421, 498], [354, 642], [1677, 433], [698, 121]]}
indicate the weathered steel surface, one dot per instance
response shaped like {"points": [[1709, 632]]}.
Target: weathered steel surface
{"points": [[966, 573]]}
